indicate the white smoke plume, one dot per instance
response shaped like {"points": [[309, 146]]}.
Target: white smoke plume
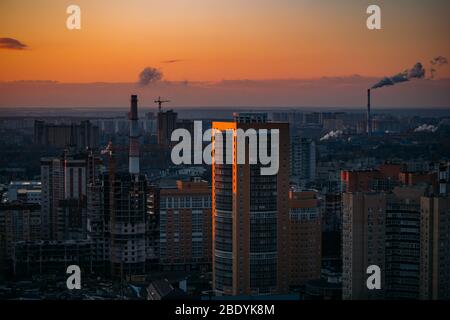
{"points": [[426, 128], [331, 135], [417, 72]]}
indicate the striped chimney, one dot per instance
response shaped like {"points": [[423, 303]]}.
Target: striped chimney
{"points": [[134, 137]]}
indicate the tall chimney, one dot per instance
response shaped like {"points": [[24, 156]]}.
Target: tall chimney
{"points": [[134, 137], [369, 118]]}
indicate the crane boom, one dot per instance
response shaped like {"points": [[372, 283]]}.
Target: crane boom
{"points": [[160, 102]]}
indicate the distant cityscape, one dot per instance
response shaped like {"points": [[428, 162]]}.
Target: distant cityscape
{"points": [[354, 189]]}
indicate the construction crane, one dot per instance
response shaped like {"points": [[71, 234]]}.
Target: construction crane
{"points": [[160, 102], [108, 149]]}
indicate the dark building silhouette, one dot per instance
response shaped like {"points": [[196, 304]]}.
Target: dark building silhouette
{"points": [[80, 135], [167, 123]]}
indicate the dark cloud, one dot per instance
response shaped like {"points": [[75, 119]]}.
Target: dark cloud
{"points": [[13, 44], [172, 61], [149, 75]]}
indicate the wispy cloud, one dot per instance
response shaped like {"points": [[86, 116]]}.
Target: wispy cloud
{"points": [[173, 61], [12, 44]]}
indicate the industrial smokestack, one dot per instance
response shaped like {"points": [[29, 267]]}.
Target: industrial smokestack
{"points": [[369, 117], [134, 137]]}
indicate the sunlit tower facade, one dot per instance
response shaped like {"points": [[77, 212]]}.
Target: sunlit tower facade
{"points": [[250, 215]]}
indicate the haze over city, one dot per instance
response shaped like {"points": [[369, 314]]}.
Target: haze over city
{"points": [[221, 53]]}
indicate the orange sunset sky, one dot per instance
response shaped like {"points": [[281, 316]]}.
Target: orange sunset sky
{"points": [[208, 41]]}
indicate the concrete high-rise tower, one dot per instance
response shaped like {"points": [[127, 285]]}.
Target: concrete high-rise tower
{"points": [[167, 123], [435, 241], [363, 243], [304, 158], [250, 216]]}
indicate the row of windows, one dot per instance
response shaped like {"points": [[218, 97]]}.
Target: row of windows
{"points": [[304, 213], [185, 202]]}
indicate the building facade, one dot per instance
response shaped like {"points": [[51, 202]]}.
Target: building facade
{"points": [[19, 222], [185, 226], [304, 160], [167, 123], [80, 135], [435, 248], [250, 216], [363, 243], [304, 237], [65, 181]]}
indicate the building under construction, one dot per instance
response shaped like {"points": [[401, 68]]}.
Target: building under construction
{"points": [[104, 220], [50, 257], [130, 211]]}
